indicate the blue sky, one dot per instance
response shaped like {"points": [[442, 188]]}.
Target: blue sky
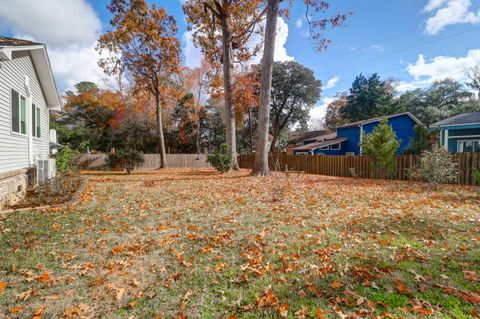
{"points": [[413, 41]]}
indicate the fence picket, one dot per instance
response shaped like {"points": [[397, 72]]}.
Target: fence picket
{"points": [[342, 166]]}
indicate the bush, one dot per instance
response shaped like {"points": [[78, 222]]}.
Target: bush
{"points": [[126, 159], [436, 167], [381, 146], [422, 140], [221, 159], [65, 160], [476, 175]]}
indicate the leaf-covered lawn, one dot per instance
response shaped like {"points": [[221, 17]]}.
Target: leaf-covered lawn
{"points": [[198, 244]]}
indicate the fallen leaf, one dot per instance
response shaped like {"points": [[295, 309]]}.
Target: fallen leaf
{"points": [[3, 285], [319, 314], [38, 313], [336, 284], [16, 309], [471, 275], [470, 297], [43, 277], [422, 310], [283, 310], [401, 287], [25, 295]]}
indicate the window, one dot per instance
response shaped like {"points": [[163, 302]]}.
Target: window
{"points": [[335, 147], [36, 122], [19, 113], [469, 146]]}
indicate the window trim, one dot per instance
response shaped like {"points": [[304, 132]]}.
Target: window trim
{"points": [[332, 148], [37, 110], [460, 144], [20, 96]]}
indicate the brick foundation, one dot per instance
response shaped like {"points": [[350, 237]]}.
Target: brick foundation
{"points": [[13, 186]]}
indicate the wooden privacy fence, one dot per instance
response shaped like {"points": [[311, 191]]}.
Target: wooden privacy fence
{"points": [[360, 166], [152, 161]]}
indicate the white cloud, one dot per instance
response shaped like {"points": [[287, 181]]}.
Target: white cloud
{"points": [[332, 82], [280, 41], [57, 23], [299, 23], [193, 55], [441, 67], [424, 71], [75, 64], [69, 28], [434, 4], [319, 111], [377, 47], [449, 12]]}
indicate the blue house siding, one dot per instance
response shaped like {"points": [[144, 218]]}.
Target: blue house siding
{"points": [[458, 133], [353, 143], [402, 125]]}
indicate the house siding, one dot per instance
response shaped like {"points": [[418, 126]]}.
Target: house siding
{"points": [[402, 125], [14, 147], [352, 145], [456, 135]]}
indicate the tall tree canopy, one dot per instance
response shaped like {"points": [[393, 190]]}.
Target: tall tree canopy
{"points": [[295, 91], [222, 29], [317, 29], [333, 116], [87, 117], [442, 99], [142, 41], [369, 97]]}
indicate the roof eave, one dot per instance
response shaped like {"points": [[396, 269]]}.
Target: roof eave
{"points": [[44, 70]]}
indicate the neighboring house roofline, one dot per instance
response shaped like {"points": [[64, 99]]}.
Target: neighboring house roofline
{"points": [[379, 118], [463, 119], [42, 65], [315, 146]]}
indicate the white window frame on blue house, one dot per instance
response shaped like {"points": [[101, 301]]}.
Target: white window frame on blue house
{"points": [[460, 145], [332, 148]]}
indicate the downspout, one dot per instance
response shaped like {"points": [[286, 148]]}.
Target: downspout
{"points": [[29, 121]]}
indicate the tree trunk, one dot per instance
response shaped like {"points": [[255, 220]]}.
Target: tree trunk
{"points": [[161, 140], [197, 111], [260, 167], [276, 132], [228, 86], [250, 129]]}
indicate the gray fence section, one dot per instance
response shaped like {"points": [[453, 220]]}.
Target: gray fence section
{"points": [[152, 161]]}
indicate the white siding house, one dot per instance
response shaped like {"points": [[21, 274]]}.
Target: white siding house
{"points": [[27, 94]]}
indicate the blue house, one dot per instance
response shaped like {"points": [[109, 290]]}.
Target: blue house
{"points": [[460, 133], [348, 138]]}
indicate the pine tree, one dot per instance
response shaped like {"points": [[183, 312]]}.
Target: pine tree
{"points": [[381, 146]]}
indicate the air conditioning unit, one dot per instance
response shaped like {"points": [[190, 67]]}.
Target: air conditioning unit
{"points": [[46, 170]]}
